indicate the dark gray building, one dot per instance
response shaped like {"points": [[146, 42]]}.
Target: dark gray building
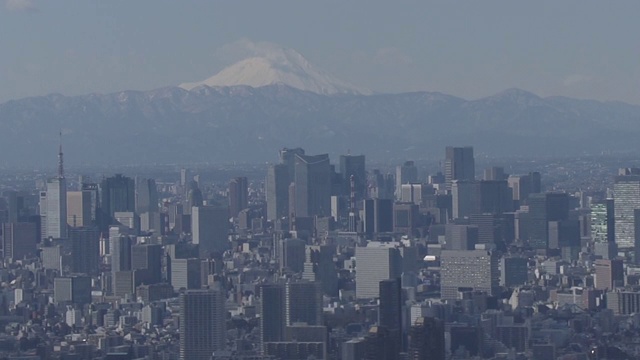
{"points": [[459, 164], [312, 185]]}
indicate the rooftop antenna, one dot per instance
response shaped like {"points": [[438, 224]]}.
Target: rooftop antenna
{"points": [[60, 160]]}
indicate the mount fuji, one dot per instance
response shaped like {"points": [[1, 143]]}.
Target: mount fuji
{"points": [[279, 66], [275, 98]]}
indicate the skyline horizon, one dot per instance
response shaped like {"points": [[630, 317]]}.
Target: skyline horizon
{"points": [[576, 49]]}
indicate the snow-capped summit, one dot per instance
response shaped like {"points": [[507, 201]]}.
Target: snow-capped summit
{"points": [[277, 65]]}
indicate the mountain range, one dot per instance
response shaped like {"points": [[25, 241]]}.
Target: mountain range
{"points": [[300, 106]]}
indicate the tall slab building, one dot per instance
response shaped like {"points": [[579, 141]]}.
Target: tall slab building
{"points": [[626, 190], [459, 164], [312, 185], [55, 204]]}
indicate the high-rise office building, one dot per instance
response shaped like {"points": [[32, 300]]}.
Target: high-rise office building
{"points": [[514, 271], [415, 193], [544, 208], [468, 270], [524, 185], [186, 274], [319, 266], [426, 339], [279, 179], [382, 185], [374, 263], [118, 195], [271, 307], [480, 197], [288, 158], [377, 216], [120, 248], [210, 229], [19, 240], [120, 253], [202, 324], [459, 164], [51, 257], [277, 191], [129, 219], [312, 185], [94, 195], [148, 257], [303, 303], [74, 289], [238, 195], [461, 237], [495, 173], [85, 250], [390, 310], [55, 224], [146, 195], [465, 198], [54, 204], [609, 274], [602, 221], [491, 227], [626, 190], [291, 255], [353, 165], [406, 218], [380, 344], [406, 173], [79, 209]]}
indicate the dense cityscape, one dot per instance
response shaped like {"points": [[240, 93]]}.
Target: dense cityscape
{"points": [[309, 259]]}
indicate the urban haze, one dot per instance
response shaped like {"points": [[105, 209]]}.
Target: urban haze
{"points": [[355, 180]]}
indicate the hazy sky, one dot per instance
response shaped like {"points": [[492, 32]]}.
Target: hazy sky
{"points": [[579, 48]]}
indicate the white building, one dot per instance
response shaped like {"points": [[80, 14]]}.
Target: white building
{"points": [[374, 263], [55, 208]]}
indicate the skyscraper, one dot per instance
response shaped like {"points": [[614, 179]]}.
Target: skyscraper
{"points": [[272, 312], [377, 216], [56, 203], [19, 240], [148, 257], [524, 185], [426, 339], [626, 190], [120, 248], [467, 270], [374, 263], [186, 273], [146, 195], [202, 324], [459, 164], [353, 165], [390, 310], [609, 274], [73, 290], [303, 303], [210, 229], [238, 195], [118, 195], [79, 208], [277, 191], [312, 185], [85, 250], [544, 208], [56, 208], [406, 173]]}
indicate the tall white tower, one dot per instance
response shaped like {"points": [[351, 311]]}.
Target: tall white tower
{"points": [[56, 202]]}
